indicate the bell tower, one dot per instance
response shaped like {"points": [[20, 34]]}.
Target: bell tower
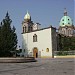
{"points": [[27, 24]]}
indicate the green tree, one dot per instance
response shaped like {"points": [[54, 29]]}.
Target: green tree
{"points": [[60, 42], [72, 43], [66, 43], [0, 36], [8, 40]]}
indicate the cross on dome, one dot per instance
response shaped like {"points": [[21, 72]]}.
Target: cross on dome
{"points": [[65, 12]]}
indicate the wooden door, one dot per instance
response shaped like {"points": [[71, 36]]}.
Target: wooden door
{"points": [[35, 52]]}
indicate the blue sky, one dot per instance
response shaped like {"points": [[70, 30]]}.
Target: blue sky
{"points": [[46, 12]]}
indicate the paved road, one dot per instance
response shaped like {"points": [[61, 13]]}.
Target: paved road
{"points": [[43, 66]]}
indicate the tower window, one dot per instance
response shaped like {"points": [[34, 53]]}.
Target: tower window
{"points": [[63, 20], [64, 32], [69, 32], [63, 23], [31, 29], [34, 38], [68, 23], [24, 29]]}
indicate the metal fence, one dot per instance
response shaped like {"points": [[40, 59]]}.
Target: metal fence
{"points": [[64, 52]]}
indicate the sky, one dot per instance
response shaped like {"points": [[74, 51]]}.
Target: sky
{"points": [[46, 12]]}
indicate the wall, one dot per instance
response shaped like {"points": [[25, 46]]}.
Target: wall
{"points": [[44, 41]]}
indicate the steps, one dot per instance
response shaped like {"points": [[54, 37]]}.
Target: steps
{"points": [[17, 59]]}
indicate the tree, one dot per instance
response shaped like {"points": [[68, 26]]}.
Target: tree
{"points": [[66, 43], [8, 40], [60, 42], [72, 43]]}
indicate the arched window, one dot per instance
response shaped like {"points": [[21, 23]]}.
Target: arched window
{"points": [[24, 29], [69, 32], [34, 38], [29, 29], [64, 31], [47, 50]]}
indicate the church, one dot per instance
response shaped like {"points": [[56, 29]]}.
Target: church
{"points": [[66, 26], [36, 41], [42, 42]]}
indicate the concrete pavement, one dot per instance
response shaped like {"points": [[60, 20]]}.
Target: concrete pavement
{"points": [[43, 66]]}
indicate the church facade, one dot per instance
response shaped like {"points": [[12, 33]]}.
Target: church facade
{"points": [[36, 41]]}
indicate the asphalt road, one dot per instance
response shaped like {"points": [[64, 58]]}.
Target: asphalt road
{"points": [[43, 66]]}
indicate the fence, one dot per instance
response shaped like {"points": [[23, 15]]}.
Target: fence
{"points": [[64, 52]]}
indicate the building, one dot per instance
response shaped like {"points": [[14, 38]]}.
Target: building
{"points": [[66, 26], [66, 29], [42, 42], [36, 41]]}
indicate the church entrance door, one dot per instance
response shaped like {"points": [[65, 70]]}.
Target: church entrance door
{"points": [[35, 52]]}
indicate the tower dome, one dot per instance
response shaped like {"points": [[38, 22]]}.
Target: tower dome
{"points": [[65, 20], [27, 16]]}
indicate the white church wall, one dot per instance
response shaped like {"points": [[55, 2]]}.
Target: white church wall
{"points": [[44, 41]]}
